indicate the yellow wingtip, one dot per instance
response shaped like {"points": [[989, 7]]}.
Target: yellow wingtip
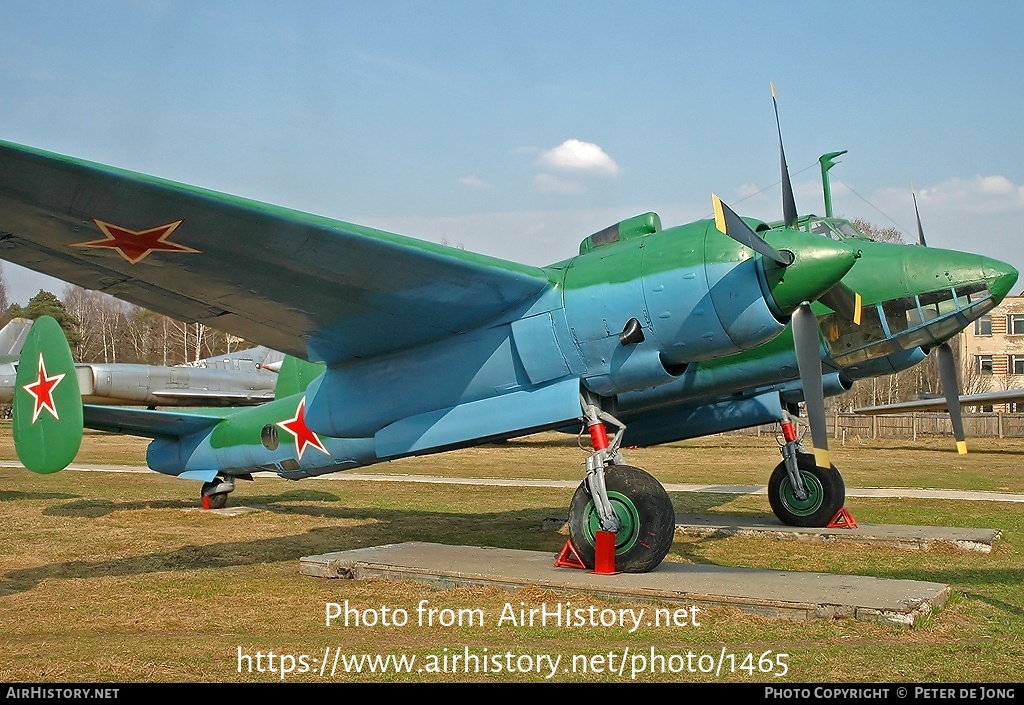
{"points": [[961, 447]]}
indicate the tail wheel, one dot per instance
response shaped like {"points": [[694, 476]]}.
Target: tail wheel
{"points": [[218, 500], [217, 491], [826, 493], [645, 511]]}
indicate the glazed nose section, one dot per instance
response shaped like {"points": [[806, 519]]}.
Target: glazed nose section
{"points": [[818, 264], [1000, 277]]}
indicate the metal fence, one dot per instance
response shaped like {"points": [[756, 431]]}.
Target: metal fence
{"points": [[995, 425]]}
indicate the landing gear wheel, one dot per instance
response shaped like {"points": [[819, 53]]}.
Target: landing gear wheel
{"points": [[217, 491], [826, 493], [644, 510], [218, 500]]}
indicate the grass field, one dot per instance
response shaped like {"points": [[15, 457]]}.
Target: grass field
{"points": [[118, 577]]}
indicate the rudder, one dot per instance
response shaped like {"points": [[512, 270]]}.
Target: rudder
{"points": [[47, 401]]}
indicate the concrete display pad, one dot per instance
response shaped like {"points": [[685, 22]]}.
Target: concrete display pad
{"points": [[921, 538], [781, 594]]}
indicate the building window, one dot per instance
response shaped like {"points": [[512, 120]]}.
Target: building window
{"points": [[1016, 407], [984, 364], [983, 326], [1017, 364], [1015, 324]]}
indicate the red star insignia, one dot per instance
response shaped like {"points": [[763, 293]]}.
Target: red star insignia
{"points": [[134, 245], [303, 436], [42, 391]]}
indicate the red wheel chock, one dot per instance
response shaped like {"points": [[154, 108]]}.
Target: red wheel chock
{"points": [[604, 555], [206, 501], [568, 558], [842, 520]]}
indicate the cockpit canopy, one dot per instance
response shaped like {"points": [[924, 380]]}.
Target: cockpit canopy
{"points": [[909, 322], [834, 228]]}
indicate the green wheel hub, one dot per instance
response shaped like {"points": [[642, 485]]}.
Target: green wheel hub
{"points": [[826, 493], [629, 518], [803, 507], [646, 517]]}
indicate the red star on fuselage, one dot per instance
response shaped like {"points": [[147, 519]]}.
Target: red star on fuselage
{"points": [[42, 391], [135, 245], [303, 436]]}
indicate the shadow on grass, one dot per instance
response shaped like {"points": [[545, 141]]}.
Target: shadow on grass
{"points": [[94, 508], [15, 495], [519, 529], [1002, 605], [707, 502]]}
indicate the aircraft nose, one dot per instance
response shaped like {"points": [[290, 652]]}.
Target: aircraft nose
{"points": [[818, 264], [1000, 276]]}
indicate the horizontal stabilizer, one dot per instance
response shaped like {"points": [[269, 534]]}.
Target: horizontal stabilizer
{"points": [[150, 423], [199, 396]]}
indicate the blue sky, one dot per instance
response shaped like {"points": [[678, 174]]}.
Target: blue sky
{"points": [[516, 129]]}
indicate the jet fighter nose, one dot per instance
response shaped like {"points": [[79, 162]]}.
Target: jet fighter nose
{"points": [[818, 264], [1000, 276]]}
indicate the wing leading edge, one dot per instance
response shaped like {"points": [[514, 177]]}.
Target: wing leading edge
{"points": [[306, 285]]}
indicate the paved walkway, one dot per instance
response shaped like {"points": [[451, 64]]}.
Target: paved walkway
{"points": [[916, 493]]}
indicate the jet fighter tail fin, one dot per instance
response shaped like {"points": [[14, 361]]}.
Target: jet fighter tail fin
{"points": [[47, 400]]}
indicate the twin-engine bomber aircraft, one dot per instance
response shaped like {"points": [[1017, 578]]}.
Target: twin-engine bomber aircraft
{"points": [[658, 333]]}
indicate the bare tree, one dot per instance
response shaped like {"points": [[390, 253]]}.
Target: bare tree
{"points": [[3, 293], [878, 233]]}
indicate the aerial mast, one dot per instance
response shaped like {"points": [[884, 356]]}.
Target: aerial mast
{"points": [[826, 163]]}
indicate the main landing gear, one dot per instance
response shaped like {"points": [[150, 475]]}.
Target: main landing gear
{"points": [[620, 499], [799, 492]]}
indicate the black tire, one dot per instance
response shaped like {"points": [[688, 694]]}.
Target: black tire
{"points": [[218, 500], [646, 512], [826, 493]]}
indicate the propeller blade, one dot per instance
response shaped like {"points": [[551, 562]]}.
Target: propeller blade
{"points": [[808, 358], [951, 388], [920, 230], [789, 213], [732, 225], [844, 301]]}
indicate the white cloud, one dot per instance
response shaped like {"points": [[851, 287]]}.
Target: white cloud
{"points": [[981, 194], [475, 183], [546, 183], [575, 155]]}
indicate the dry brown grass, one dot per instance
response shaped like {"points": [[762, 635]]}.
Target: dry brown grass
{"points": [[117, 577]]}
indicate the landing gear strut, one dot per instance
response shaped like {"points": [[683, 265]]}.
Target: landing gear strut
{"points": [[620, 499], [799, 492], [215, 494]]}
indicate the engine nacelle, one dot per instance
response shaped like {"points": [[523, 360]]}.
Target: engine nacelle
{"points": [[677, 296]]}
